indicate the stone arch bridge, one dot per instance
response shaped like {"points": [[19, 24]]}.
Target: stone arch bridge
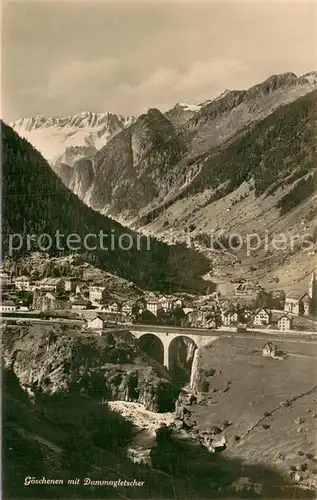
{"points": [[164, 341]]}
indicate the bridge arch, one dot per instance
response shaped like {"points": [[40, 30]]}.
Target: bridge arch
{"points": [[153, 346], [166, 337], [181, 351]]}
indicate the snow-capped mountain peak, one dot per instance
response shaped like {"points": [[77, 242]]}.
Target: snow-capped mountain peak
{"points": [[68, 138], [311, 77], [189, 107]]}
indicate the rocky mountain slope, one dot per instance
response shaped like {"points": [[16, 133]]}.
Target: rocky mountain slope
{"points": [[127, 174], [155, 159], [257, 175], [225, 117], [277, 151], [112, 367], [66, 139], [35, 201], [264, 182], [182, 112]]}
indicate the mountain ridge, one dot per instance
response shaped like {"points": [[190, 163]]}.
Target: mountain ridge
{"points": [[68, 138], [159, 155]]}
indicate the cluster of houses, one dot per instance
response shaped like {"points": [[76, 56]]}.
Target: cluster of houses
{"points": [[156, 303], [66, 293], [234, 318], [296, 304], [265, 317], [70, 293]]}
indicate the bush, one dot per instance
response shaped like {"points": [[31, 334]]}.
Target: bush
{"points": [[77, 452], [286, 403], [209, 373], [215, 429], [226, 424], [204, 386], [163, 435]]}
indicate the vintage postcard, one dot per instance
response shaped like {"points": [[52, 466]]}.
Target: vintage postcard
{"points": [[159, 249]]}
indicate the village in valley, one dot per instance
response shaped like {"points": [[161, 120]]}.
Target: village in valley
{"points": [[92, 301]]}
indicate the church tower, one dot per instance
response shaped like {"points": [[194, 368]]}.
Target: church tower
{"points": [[312, 292]]}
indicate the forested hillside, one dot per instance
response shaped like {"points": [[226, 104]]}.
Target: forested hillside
{"points": [[281, 145], [35, 201]]}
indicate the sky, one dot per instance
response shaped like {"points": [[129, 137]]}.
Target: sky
{"points": [[61, 58]]}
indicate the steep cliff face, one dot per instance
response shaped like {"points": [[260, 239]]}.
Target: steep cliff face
{"points": [[81, 177], [110, 367], [128, 171]]}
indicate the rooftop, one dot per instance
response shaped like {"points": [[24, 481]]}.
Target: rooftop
{"points": [[295, 295], [8, 303], [81, 302], [50, 281], [268, 311], [276, 316]]}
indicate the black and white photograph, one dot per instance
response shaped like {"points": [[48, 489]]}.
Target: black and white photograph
{"points": [[159, 249]]}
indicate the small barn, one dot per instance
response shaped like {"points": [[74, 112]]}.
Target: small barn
{"points": [[269, 350], [96, 323]]}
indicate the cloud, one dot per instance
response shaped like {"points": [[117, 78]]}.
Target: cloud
{"points": [[198, 76], [79, 74], [127, 57], [96, 84], [167, 85]]}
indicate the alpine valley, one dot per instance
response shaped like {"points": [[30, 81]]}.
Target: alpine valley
{"points": [[242, 162]]}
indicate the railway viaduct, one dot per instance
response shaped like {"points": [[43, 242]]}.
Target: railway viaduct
{"points": [[163, 341]]}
